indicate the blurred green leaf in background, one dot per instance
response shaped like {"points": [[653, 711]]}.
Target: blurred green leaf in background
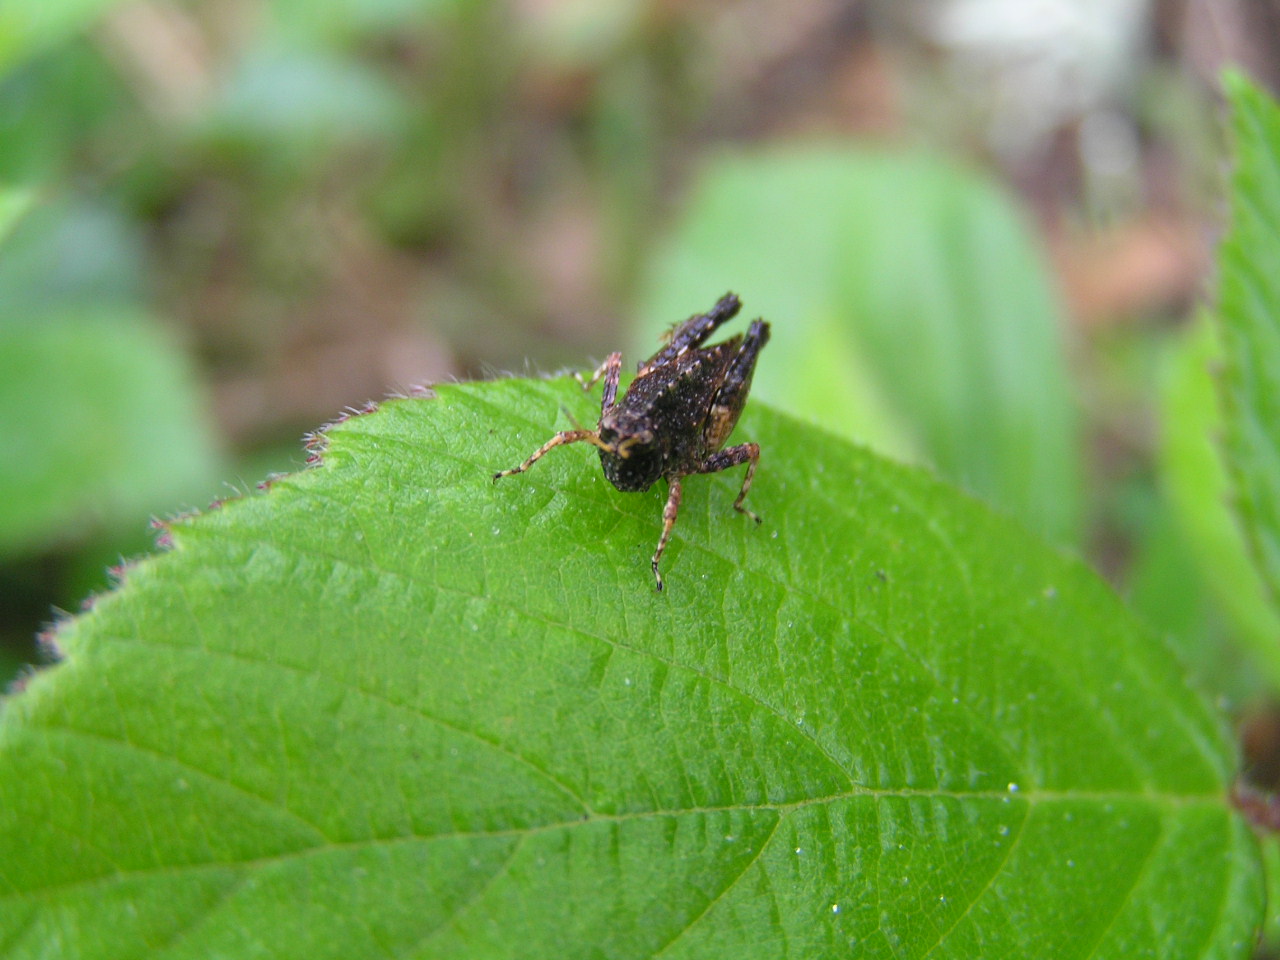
{"points": [[27, 28], [107, 426], [1199, 491], [1249, 309], [105, 421]]}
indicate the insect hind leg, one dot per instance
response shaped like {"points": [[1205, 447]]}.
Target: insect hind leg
{"points": [[694, 331], [737, 379], [731, 397]]}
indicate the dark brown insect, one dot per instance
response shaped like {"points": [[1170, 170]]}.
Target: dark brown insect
{"points": [[676, 415]]}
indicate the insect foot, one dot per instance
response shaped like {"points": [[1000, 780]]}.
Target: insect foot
{"points": [[675, 417]]}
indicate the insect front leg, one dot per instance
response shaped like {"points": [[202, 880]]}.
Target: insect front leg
{"points": [[669, 513], [564, 436], [742, 453], [610, 370]]}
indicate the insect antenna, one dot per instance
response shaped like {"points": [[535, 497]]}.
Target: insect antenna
{"points": [[592, 437]]}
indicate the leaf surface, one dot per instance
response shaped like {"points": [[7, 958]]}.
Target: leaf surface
{"points": [[392, 709]]}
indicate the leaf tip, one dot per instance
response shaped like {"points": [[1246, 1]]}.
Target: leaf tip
{"points": [[1234, 80]]}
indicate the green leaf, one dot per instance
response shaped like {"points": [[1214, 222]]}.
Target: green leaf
{"points": [[104, 426], [28, 27], [304, 100], [910, 311], [392, 708], [14, 203], [72, 255], [1249, 305], [348, 23], [1197, 487]]}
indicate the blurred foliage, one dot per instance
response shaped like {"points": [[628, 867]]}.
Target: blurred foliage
{"points": [[1199, 493], [109, 428], [14, 202], [1249, 311], [28, 28]]}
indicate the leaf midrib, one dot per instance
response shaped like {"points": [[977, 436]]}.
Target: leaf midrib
{"points": [[1172, 802]]}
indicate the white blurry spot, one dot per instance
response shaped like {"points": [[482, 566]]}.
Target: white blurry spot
{"points": [[496, 531], [1013, 788], [799, 850], [1033, 65], [626, 681], [835, 908], [181, 784], [774, 535], [1002, 830]]}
